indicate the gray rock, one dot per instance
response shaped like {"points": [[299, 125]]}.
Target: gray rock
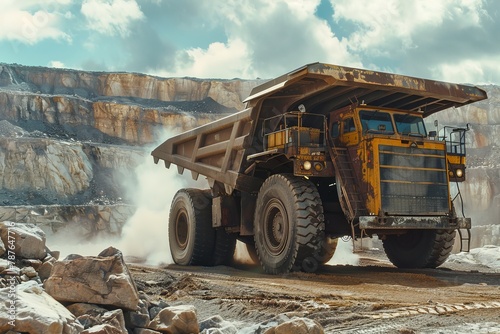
{"points": [[154, 310], [114, 318], [45, 270], [79, 309], [29, 239], [297, 326], [55, 254], [29, 271], [135, 319], [93, 316], [216, 322], [104, 329], [32, 263], [37, 312], [96, 280], [110, 251], [87, 321], [176, 320]]}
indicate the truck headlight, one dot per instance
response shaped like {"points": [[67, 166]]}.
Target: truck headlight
{"points": [[307, 165], [459, 172], [318, 166]]}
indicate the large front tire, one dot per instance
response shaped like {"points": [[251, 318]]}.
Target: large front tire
{"points": [[289, 224], [419, 248], [191, 235]]}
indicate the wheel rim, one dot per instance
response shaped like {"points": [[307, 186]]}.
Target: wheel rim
{"points": [[276, 227], [181, 229]]}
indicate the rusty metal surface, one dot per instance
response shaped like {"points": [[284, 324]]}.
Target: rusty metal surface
{"points": [[413, 222], [324, 87], [214, 150]]}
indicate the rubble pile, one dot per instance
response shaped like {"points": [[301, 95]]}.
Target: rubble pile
{"points": [[94, 294]]}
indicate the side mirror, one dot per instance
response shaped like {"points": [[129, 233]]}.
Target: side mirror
{"points": [[432, 134]]}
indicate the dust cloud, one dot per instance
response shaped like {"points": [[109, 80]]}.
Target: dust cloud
{"points": [[144, 237], [145, 234], [73, 240]]}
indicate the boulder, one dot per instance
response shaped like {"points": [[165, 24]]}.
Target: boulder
{"points": [[45, 270], [176, 320], [92, 316], [29, 271], [114, 318], [79, 309], [104, 329], [216, 324], [29, 239], [36, 264], [297, 326], [103, 280], [37, 312], [87, 314], [136, 319]]}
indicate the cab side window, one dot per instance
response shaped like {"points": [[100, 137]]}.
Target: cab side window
{"points": [[335, 131], [348, 125]]}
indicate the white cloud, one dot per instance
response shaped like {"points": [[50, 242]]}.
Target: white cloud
{"points": [[56, 64], [389, 22], [219, 60], [472, 71], [27, 23], [111, 17], [264, 39]]}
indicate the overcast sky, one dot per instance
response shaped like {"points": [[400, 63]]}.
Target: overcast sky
{"points": [[450, 40]]}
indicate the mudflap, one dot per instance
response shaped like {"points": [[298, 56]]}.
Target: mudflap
{"points": [[465, 237]]}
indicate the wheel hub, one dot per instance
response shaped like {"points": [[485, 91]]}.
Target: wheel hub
{"points": [[276, 227], [181, 229]]}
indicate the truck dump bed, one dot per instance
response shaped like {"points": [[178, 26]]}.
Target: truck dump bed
{"points": [[219, 150]]}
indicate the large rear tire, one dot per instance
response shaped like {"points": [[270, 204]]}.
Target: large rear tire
{"points": [[191, 235], [225, 244], [419, 248], [289, 224]]}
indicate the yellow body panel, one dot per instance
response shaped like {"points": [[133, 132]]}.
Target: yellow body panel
{"points": [[368, 153]]}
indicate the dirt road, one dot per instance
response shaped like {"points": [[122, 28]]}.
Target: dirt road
{"points": [[373, 297]]}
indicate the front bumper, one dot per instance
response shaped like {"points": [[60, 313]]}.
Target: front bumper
{"points": [[413, 222]]}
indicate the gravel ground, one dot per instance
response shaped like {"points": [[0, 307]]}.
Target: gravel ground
{"points": [[373, 297]]}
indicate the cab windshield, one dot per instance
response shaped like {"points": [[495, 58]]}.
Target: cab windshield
{"points": [[410, 125], [376, 121]]}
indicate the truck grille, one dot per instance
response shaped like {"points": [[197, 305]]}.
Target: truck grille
{"points": [[413, 181]]}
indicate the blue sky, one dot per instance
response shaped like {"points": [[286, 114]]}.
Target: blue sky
{"points": [[451, 40]]}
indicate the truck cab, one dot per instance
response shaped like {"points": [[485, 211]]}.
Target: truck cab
{"points": [[401, 171]]}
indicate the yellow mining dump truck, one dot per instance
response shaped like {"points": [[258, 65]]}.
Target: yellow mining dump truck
{"points": [[320, 153]]}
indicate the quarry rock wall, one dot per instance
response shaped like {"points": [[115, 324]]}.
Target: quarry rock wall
{"points": [[71, 137]]}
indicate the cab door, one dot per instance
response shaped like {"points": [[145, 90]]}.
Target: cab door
{"points": [[349, 133], [343, 129]]}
